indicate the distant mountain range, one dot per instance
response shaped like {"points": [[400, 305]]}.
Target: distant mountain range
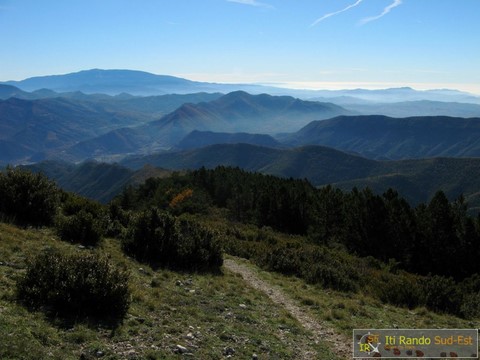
{"points": [[109, 128], [140, 118], [240, 111], [414, 108], [115, 82], [40, 126], [382, 137], [234, 112], [197, 139], [416, 180], [99, 181], [36, 129], [363, 96]]}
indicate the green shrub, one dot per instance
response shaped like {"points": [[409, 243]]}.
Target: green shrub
{"points": [[470, 307], [151, 236], [197, 247], [81, 220], [398, 289], [80, 228], [162, 240], [27, 198], [117, 221], [75, 286], [470, 290], [284, 259], [441, 294]]}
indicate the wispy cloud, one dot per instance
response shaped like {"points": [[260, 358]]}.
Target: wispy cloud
{"points": [[251, 3], [384, 12], [326, 16]]}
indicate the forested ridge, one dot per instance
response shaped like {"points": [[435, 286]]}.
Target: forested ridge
{"points": [[431, 238]]}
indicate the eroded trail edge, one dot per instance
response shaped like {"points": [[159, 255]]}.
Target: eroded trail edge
{"points": [[340, 345]]}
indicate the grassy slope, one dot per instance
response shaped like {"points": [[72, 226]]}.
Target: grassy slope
{"points": [[344, 311], [202, 313], [206, 320]]}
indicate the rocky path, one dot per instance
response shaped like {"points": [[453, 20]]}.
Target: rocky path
{"points": [[340, 345]]}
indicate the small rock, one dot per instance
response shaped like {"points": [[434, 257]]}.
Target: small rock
{"points": [[99, 353], [142, 270], [228, 315], [228, 351], [181, 349], [190, 336], [243, 306], [254, 356], [192, 291], [178, 283]]}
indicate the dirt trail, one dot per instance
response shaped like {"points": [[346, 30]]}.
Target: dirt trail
{"points": [[340, 345]]}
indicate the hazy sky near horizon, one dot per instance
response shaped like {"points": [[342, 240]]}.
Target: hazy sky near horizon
{"points": [[307, 43]]}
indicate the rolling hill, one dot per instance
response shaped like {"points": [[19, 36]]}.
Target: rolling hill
{"points": [[99, 181], [29, 127], [242, 112], [415, 108], [416, 180], [31, 130], [382, 137], [234, 112], [198, 139]]}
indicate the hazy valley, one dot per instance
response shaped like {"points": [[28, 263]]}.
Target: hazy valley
{"points": [[319, 205]]}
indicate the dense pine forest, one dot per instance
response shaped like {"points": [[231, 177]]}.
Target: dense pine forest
{"points": [[431, 238]]}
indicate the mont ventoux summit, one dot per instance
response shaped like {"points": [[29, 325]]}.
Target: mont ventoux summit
{"points": [[231, 220]]}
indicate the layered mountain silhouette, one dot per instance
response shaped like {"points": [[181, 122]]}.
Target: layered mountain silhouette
{"points": [[106, 81], [382, 137], [234, 112], [99, 181], [415, 108], [29, 127], [198, 139], [416, 180], [240, 111], [393, 95], [35, 129], [115, 82]]}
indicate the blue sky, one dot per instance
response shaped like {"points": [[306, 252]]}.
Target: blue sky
{"points": [[300, 43]]}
